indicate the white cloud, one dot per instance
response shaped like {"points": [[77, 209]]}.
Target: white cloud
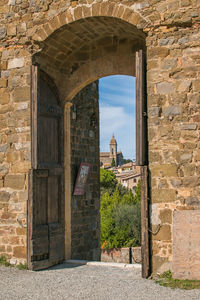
{"points": [[115, 120], [117, 113], [128, 99]]}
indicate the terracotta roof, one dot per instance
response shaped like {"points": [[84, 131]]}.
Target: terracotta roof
{"points": [[127, 176], [130, 164]]}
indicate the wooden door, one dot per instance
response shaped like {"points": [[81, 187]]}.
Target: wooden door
{"points": [[46, 191], [142, 157]]}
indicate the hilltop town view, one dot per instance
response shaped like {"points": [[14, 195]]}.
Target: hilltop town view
{"points": [[119, 177]]}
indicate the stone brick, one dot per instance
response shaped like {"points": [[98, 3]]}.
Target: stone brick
{"points": [[11, 30], [21, 167], [4, 196], [4, 98], [19, 251], [158, 51], [4, 169], [21, 94], [188, 127], [164, 234], [3, 82], [193, 201], [168, 170], [185, 86], [169, 63], [196, 85], [2, 32], [14, 181], [197, 155], [166, 216], [173, 110], [16, 63], [158, 262], [176, 182], [163, 195], [21, 231], [185, 157], [165, 88], [192, 181]]}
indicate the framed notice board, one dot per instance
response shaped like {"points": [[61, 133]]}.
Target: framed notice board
{"points": [[81, 179]]}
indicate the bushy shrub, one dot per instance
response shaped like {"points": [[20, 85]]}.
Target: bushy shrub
{"points": [[120, 213]]}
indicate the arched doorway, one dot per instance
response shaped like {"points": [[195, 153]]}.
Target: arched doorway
{"points": [[74, 56]]}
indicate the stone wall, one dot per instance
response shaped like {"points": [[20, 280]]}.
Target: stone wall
{"points": [[173, 104], [121, 255], [76, 42], [85, 210]]}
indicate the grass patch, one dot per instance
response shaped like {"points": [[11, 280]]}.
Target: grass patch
{"points": [[22, 266], [167, 280], [4, 262]]}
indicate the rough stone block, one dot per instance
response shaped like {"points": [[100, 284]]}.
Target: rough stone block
{"points": [[21, 94], [167, 170], [154, 111], [164, 234], [163, 195], [15, 181], [3, 83], [4, 196], [188, 127], [2, 32], [186, 241], [169, 63], [158, 51], [193, 201], [185, 86], [165, 88], [15, 63], [160, 264], [4, 98], [11, 30], [19, 251], [173, 110], [166, 216], [197, 155], [186, 157]]}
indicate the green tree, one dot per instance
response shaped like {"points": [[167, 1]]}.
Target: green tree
{"points": [[127, 222], [120, 216], [137, 197], [113, 163], [108, 181], [125, 161]]}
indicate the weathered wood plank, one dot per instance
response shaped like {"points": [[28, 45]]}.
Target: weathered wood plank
{"points": [[141, 110], [45, 206], [34, 113], [145, 223]]}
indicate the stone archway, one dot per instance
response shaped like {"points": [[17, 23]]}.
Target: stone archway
{"points": [[77, 54]]}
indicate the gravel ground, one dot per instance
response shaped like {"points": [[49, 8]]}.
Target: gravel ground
{"points": [[84, 282]]}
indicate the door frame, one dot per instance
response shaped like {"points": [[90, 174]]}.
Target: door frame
{"points": [[142, 158]]}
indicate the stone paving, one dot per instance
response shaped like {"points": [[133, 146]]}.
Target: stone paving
{"points": [[73, 282]]}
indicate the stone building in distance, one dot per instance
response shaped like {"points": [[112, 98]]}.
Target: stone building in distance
{"points": [[129, 175], [106, 158]]}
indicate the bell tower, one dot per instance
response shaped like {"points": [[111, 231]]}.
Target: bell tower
{"points": [[113, 149]]}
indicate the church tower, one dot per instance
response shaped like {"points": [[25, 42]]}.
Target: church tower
{"points": [[113, 149]]}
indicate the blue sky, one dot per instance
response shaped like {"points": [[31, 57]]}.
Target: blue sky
{"points": [[117, 113]]}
